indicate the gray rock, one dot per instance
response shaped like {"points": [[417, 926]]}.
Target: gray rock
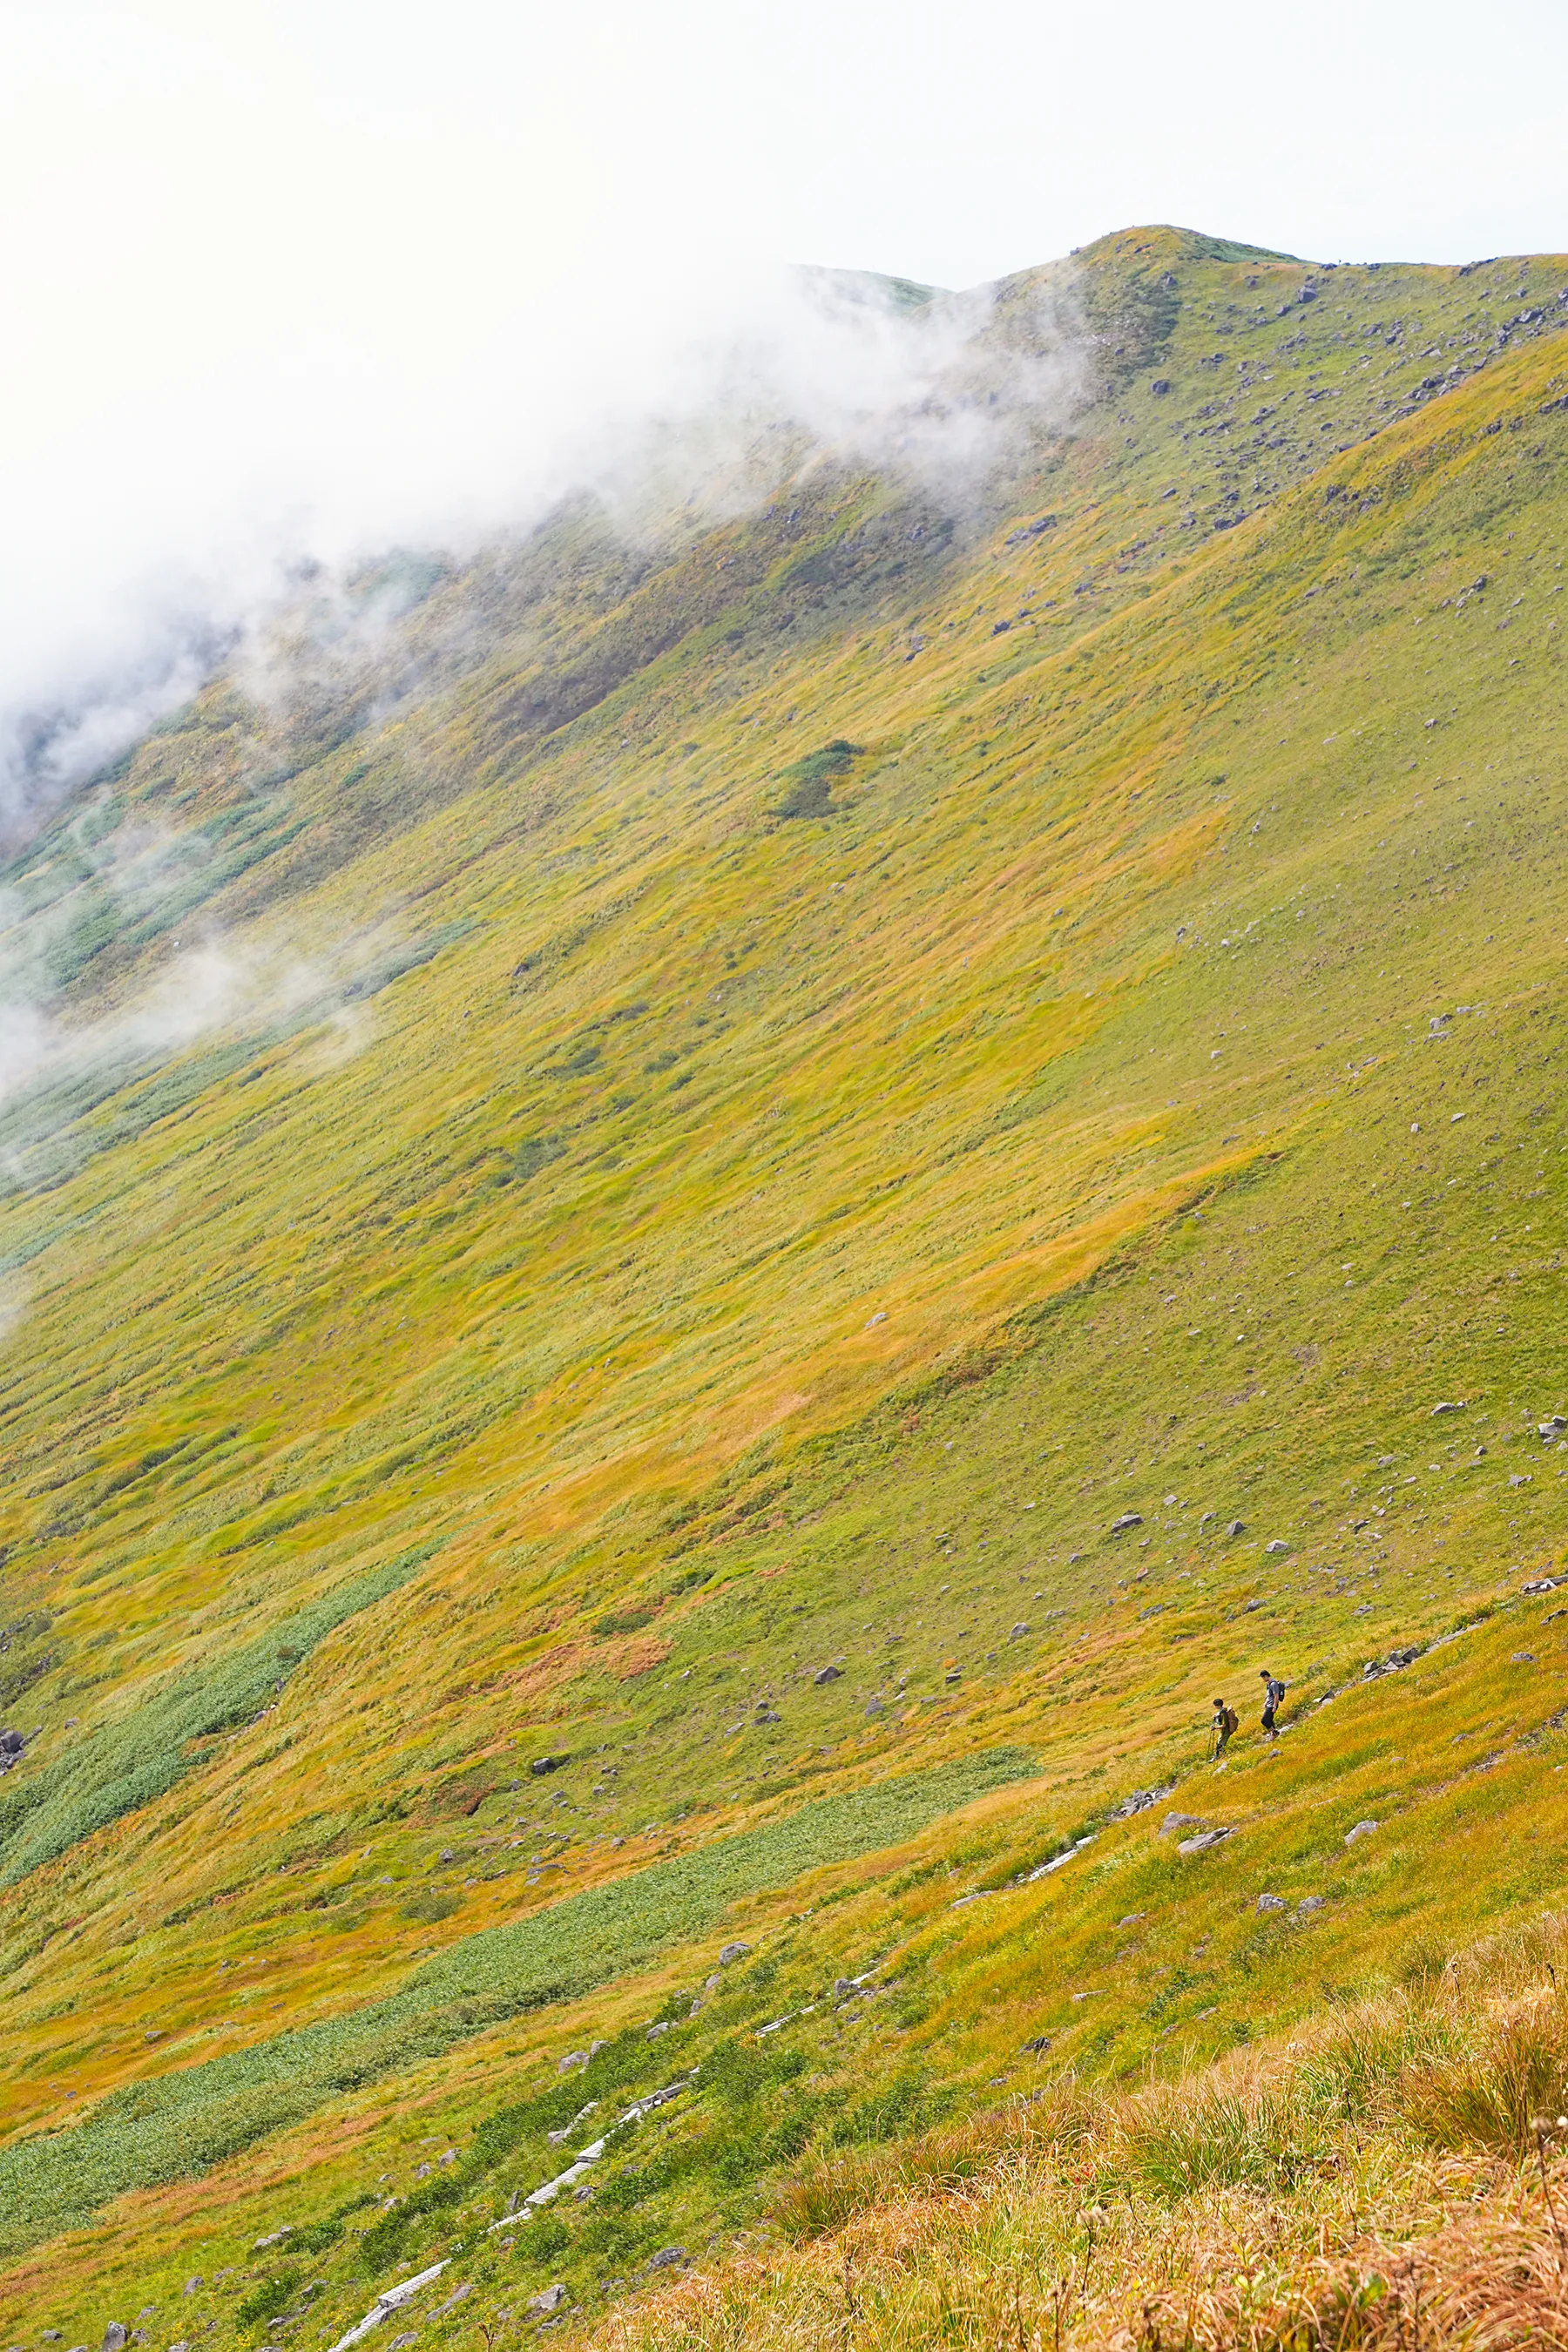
{"points": [[1277, 1543], [1361, 1829], [1017, 1632], [1522, 1658], [1139, 1802], [1179, 1821], [543, 1764], [1458, 1405], [1541, 1584], [549, 2299], [1204, 1841], [1271, 1903], [1162, 383], [115, 2337], [193, 2286], [668, 2258], [875, 1709], [827, 1674], [51, 2335], [1128, 1519], [733, 1952], [401, 2343], [572, 2059], [1554, 1426], [655, 2031], [594, 2047], [1310, 1902], [1237, 1527]]}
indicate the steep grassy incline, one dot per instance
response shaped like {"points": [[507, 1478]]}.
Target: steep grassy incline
{"points": [[753, 1206]]}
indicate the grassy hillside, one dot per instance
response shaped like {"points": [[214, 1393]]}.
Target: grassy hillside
{"points": [[714, 1220]]}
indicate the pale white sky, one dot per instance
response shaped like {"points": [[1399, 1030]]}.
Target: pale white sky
{"points": [[287, 273]]}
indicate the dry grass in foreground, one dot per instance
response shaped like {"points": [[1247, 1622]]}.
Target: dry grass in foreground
{"points": [[1387, 2180]]}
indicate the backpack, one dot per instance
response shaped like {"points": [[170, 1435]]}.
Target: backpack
{"points": [[1276, 1693], [1231, 1721]]}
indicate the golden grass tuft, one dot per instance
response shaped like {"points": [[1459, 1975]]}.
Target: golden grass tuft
{"points": [[1377, 2181]]}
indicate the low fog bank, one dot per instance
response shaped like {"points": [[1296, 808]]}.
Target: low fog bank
{"points": [[149, 549]]}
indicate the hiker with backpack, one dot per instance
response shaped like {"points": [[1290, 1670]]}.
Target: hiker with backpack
{"points": [[1225, 1720], [1273, 1692]]}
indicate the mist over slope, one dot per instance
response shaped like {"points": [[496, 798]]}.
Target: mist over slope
{"points": [[705, 1216]]}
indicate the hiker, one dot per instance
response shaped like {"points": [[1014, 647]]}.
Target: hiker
{"points": [[1273, 1692], [1225, 1720]]}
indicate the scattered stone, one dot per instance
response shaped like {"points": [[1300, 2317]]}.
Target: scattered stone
{"points": [[1457, 1406], [1277, 1543], [655, 2031], [543, 1764], [1554, 1426], [1128, 1519], [875, 1708], [115, 2337], [1520, 1478], [1361, 1829], [1139, 1802], [401, 2343], [766, 1715], [1204, 1841], [193, 2286], [1180, 1822], [1131, 1918], [827, 1674], [1541, 1584], [1271, 1903], [1017, 1632], [730, 1953], [1162, 383], [1310, 1902], [1237, 1527], [1031, 531], [668, 2258], [594, 2047], [572, 2059], [549, 2299], [1522, 1658]]}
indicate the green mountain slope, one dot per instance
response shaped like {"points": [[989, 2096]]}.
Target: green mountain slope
{"points": [[714, 1221]]}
